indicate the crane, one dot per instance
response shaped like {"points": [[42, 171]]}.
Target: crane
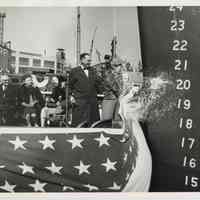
{"points": [[2, 16], [78, 39], [92, 42]]}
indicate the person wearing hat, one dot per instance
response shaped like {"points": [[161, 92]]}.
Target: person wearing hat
{"points": [[30, 98], [111, 88], [8, 101]]}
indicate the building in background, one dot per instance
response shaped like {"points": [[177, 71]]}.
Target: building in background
{"points": [[23, 62]]}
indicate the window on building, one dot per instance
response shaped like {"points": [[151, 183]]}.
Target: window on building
{"points": [[49, 64], [23, 61], [36, 62], [13, 59]]}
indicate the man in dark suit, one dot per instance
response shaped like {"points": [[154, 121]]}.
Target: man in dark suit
{"points": [[83, 86], [8, 101]]}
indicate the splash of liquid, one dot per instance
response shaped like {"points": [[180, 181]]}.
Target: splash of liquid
{"points": [[156, 97], [159, 98], [157, 83]]}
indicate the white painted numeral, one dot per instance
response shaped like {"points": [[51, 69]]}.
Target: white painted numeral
{"points": [[180, 45], [186, 104], [180, 65], [187, 142], [177, 25], [192, 163], [183, 84], [185, 123], [193, 181], [173, 8]]}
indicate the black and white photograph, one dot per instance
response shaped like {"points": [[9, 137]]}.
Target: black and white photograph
{"points": [[99, 99]]}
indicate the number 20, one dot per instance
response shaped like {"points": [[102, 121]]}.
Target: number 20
{"points": [[183, 84]]}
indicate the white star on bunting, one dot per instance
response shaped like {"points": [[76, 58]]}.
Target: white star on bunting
{"points": [[8, 187], [102, 140], [47, 143], [82, 168], [67, 188], [25, 168], [18, 143], [91, 187], [54, 169], [109, 165], [76, 142], [115, 187], [38, 187]]}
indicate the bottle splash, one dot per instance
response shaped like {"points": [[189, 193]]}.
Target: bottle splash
{"points": [[155, 98]]}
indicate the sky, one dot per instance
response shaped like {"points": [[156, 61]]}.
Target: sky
{"points": [[36, 29]]}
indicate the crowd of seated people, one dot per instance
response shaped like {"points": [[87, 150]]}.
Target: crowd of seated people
{"points": [[24, 105]]}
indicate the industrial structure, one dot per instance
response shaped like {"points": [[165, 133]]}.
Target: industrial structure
{"points": [[23, 62], [5, 49], [2, 16], [14, 62], [78, 37]]}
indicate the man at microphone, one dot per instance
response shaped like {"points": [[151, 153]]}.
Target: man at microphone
{"points": [[83, 88]]}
